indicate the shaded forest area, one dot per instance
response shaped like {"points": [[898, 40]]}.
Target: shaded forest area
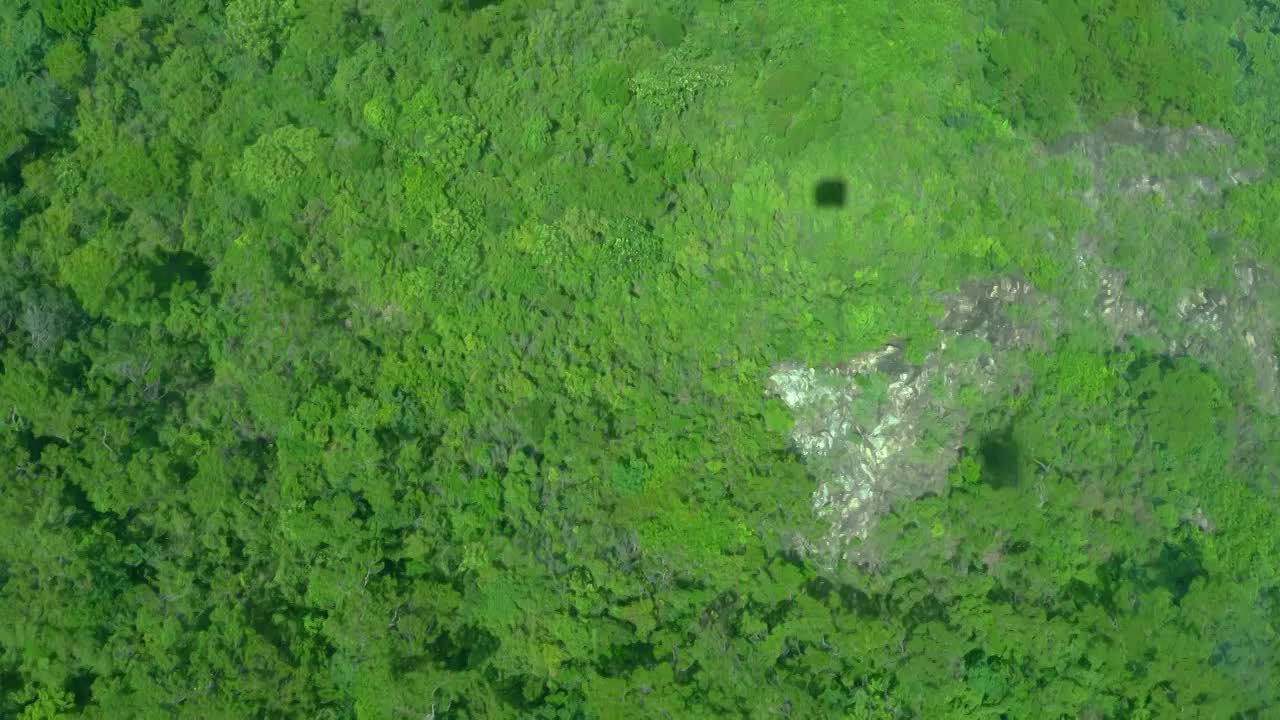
{"points": [[377, 359]]}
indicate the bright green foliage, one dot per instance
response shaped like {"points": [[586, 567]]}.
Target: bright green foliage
{"points": [[30, 107], [1120, 547], [394, 359], [66, 63], [1256, 211], [274, 166], [1053, 63], [255, 25], [73, 17]]}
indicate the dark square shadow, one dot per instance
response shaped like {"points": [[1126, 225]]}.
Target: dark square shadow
{"points": [[830, 193]]}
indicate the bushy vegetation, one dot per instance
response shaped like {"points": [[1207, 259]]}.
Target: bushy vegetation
{"points": [[1053, 64], [375, 359]]}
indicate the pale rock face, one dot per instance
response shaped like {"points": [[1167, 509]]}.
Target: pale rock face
{"points": [[1100, 147], [1213, 322], [862, 425]]}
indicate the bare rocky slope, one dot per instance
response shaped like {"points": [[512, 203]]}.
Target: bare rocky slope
{"points": [[877, 430]]}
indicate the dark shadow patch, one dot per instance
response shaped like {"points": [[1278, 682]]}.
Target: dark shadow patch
{"points": [[278, 624], [1269, 601], [831, 193], [1078, 594], [858, 602], [1145, 360], [458, 654], [1001, 459], [1176, 568], [35, 444], [81, 688], [37, 145], [10, 682], [363, 510], [1017, 547], [86, 513], [180, 267], [925, 610], [1221, 244], [473, 5], [1000, 595], [626, 659], [139, 573]]}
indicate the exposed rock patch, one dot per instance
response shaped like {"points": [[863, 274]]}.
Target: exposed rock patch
{"points": [[877, 431], [1209, 323], [1104, 149]]}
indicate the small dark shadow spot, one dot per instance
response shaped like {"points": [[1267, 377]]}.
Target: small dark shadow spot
{"points": [[466, 6], [1001, 459], [830, 193], [81, 688]]}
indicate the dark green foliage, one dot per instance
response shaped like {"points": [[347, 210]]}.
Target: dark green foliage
{"points": [[1130, 546], [382, 359], [1053, 64], [73, 17]]}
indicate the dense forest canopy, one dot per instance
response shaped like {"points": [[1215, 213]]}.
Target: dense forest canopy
{"points": [[639, 359]]}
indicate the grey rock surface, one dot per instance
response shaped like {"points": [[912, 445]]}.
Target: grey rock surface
{"points": [[877, 430]]}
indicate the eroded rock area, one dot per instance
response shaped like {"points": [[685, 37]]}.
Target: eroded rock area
{"points": [[1163, 160], [877, 430], [1212, 324]]}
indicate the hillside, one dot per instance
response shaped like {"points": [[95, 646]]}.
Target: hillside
{"points": [[567, 359]]}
